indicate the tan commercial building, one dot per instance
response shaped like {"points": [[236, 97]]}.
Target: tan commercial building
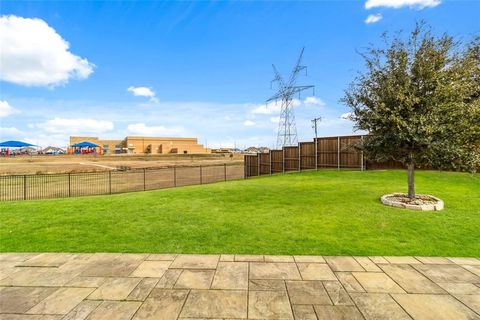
{"points": [[143, 145]]}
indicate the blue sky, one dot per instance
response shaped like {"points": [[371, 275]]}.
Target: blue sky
{"points": [[200, 69]]}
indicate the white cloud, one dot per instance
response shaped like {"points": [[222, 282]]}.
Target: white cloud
{"points": [[272, 107], [417, 4], [372, 18], [45, 140], [269, 108], [34, 54], [222, 144], [143, 130], [6, 109], [275, 119], [143, 92], [9, 132], [346, 116], [76, 126], [313, 101], [248, 123]]}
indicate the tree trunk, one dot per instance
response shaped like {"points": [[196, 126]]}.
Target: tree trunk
{"points": [[411, 183]]}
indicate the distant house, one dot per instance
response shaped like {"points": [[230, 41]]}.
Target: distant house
{"points": [[27, 150], [257, 150], [53, 150], [226, 150]]}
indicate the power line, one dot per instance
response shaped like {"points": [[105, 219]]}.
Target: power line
{"points": [[287, 129], [315, 125]]}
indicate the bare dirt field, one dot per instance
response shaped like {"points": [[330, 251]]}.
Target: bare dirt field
{"points": [[92, 163]]}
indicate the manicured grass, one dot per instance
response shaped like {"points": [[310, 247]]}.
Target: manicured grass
{"points": [[324, 213]]}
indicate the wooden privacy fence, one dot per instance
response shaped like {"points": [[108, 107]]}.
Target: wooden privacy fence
{"points": [[328, 152]]}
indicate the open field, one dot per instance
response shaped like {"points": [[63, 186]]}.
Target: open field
{"points": [[322, 213], [91, 163]]}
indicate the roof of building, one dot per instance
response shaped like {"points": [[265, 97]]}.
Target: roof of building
{"points": [[54, 149], [161, 138], [257, 149], [85, 144]]}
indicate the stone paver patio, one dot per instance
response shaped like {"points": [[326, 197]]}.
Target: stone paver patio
{"points": [[168, 286]]}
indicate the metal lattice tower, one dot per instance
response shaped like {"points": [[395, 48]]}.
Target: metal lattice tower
{"points": [[287, 129]]}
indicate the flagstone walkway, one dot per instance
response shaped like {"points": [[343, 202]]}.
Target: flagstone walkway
{"points": [[168, 286]]}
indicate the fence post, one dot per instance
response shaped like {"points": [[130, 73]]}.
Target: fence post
{"points": [[69, 185], [270, 160], [110, 182], [174, 176], [144, 178], [361, 155], [283, 159], [24, 187], [299, 157], [201, 180], [316, 153], [258, 163], [245, 166], [338, 153], [225, 171]]}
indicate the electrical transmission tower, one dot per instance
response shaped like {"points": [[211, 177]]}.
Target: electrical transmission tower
{"points": [[287, 129]]}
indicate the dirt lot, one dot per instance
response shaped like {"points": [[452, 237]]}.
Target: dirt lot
{"points": [[91, 163]]}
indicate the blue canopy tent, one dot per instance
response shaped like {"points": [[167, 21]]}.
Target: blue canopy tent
{"points": [[85, 147], [15, 144], [6, 145]]}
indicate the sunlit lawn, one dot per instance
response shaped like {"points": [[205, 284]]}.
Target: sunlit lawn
{"points": [[324, 213]]}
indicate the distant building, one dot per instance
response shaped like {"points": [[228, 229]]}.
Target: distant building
{"points": [[143, 145], [225, 150], [27, 150], [257, 150], [53, 150]]}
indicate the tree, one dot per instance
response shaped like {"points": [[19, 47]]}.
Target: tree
{"points": [[419, 100]]}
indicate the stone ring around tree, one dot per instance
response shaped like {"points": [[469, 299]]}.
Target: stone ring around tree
{"points": [[420, 202]]}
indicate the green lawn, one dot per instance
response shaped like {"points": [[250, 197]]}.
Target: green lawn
{"points": [[324, 213]]}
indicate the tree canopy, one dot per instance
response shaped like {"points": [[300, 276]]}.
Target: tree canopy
{"points": [[419, 100]]}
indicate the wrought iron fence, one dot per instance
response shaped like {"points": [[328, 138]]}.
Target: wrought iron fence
{"points": [[62, 185]]}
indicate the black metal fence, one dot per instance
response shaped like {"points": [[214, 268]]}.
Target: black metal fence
{"points": [[62, 185]]}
